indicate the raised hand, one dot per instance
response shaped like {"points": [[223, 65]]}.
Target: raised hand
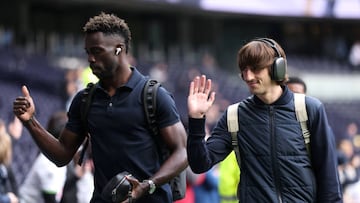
{"points": [[23, 106], [200, 97]]}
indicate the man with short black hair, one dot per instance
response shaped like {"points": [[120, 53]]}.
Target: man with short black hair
{"points": [[120, 136]]}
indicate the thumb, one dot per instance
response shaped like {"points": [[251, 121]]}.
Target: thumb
{"points": [[25, 91]]}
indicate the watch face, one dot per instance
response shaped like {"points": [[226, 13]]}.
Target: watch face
{"points": [[152, 187]]}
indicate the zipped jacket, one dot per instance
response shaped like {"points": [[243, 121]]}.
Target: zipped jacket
{"points": [[275, 165]]}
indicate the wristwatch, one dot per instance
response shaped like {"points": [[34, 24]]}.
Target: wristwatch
{"points": [[152, 186]]}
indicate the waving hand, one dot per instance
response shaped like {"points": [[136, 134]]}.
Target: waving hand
{"points": [[200, 97]]}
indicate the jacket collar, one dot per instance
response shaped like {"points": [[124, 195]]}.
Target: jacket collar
{"points": [[285, 97]]}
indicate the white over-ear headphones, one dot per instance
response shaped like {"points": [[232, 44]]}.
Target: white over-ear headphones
{"points": [[118, 50]]}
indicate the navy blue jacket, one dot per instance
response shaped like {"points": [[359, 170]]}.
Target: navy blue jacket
{"points": [[275, 166]]}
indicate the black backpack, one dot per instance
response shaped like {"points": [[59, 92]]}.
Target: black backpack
{"points": [[178, 183]]}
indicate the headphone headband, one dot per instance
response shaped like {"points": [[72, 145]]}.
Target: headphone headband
{"points": [[271, 43]]}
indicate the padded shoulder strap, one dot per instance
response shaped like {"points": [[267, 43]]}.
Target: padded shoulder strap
{"points": [[233, 128], [149, 99], [302, 117], [300, 107], [232, 118], [84, 110], [86, 100]]}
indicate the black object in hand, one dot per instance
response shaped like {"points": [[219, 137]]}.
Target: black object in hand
{"points": [[118, 188]]}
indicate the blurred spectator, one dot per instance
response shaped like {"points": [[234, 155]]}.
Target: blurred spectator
{"points": [[25, 150], [349, 171], [352, 134], [352, 194], [73, 83], [348, 162], [159, 71], [191, 179], [15, 128], [229, 179], [201, 188], [85, 183], [44, 183], [297, 85], [8, 185], [79, 183], [75, 80], [87, 76], [206, 185]]}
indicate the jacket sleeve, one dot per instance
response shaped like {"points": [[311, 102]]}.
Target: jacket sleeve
{"points": [[323, 154], [203, 155], [196, 148]]}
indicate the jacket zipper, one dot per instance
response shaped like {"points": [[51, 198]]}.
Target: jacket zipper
{"points": [[273, 155]]}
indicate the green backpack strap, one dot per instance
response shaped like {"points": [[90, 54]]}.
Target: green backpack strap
{"points": [[302, 117], [233, 128]]}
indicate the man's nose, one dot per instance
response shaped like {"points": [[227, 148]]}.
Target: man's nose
{"points": [[247, 74], [91, 58]]}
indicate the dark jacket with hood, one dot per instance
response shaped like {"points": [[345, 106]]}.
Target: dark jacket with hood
{"points": [[275, 165]]}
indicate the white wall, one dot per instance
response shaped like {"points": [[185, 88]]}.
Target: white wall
{"points": [[333, 87]]}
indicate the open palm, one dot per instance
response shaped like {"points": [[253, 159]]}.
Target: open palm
{"points": [[200, 97]]}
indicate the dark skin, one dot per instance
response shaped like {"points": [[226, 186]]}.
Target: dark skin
{"points": [[113, 71]]}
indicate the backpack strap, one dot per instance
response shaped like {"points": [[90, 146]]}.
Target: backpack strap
{"points": [[84, 111], [149, 101], [149, 105], [233, 128], [178, 183], [302, 117]]}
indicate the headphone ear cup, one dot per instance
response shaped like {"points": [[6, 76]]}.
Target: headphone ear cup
{"points": [[278, 69]]}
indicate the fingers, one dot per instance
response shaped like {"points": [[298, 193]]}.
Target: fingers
{"points": [[196, 84], [200, 85], [212, 98], [20, 105], [191, 88], [130, 178], [207, 86], [23, 106]]}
